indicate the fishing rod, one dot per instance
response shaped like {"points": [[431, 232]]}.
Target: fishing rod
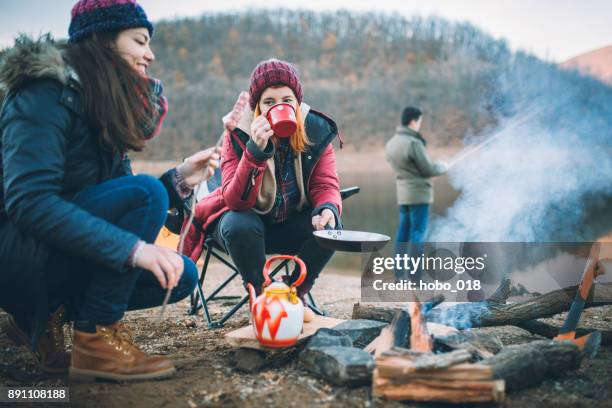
{"points": [[484, 143]]}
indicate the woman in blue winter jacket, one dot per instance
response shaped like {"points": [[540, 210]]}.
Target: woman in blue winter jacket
{"points": [[76, 226]]}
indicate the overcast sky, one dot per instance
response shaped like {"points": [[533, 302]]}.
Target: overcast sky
{"points": [[552, 29]]}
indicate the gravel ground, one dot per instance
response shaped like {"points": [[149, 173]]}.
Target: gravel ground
{"points": [[206, 377]]}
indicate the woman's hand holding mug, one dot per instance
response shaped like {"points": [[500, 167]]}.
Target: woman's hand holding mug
{"points": [[261, 132]]}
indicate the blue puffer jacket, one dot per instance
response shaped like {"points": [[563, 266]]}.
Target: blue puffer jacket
{"points": [[48, 153]]}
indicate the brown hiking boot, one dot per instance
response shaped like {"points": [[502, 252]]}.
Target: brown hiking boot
{"points": [[51, 349], [110, 353]]}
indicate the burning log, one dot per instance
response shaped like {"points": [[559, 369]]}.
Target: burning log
{"points": [[418, 374], [546, 305], [396, 333], [550, 331], [482, 314], [420, 339], [385, 314], [393, 335]]}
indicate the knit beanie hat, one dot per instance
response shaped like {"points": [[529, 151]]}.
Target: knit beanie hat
{"points": [[274, 72], [90, 16]]}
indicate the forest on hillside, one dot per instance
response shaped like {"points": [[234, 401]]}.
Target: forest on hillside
{"points": [[360, 68]]}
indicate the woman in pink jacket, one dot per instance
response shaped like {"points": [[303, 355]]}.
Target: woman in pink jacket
{"points": [[275, 191]]}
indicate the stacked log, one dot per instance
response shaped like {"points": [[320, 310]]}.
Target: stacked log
{"points": [[402, 374]]}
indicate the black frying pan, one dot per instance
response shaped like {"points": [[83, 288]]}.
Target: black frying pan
{"points": [[350, 241]]}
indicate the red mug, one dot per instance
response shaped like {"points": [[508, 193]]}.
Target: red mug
{"points": [[282, 119]]}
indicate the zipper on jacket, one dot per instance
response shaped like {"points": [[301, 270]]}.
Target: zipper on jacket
{"points": [[252, 175]]}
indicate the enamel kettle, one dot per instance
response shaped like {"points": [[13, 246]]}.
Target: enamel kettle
{"points": [[277, 315]]}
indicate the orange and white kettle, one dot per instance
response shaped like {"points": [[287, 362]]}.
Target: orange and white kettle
{"points": [[277, 315]]}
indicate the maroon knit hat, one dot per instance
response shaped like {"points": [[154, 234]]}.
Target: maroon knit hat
{"points": [[89, 16], [274, 72]]}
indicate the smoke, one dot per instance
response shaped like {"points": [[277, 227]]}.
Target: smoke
{"points": [[459, 315], [546, 173]]}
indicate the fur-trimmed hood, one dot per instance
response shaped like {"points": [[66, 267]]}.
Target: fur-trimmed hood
{"points": [[31, 59]]}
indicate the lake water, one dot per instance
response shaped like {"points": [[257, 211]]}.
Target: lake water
{"points": [[375, 209]]}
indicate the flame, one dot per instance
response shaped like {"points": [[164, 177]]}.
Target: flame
{"points": [[420, 339]]}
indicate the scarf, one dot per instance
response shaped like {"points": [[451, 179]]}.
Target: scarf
{"points": [[156, 109]]}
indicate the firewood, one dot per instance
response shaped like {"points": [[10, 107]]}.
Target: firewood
{"points": [[550, 331], [500, 296], [460, 391], [395, 334], [433, 302], [385, 314], [498, 315], [461, 371], [402, 351], [541, 306], [527, 365], [420, 339], [404, 364]]}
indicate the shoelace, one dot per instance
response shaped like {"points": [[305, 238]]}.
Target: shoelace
{"points": [[121, 337]]}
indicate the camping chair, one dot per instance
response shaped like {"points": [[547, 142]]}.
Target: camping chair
{"points": [[212, 248]]}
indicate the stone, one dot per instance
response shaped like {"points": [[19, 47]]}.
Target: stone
{"points": [[249, 360], [340, 365], [361, 331], [328, 338], [254, 360]]}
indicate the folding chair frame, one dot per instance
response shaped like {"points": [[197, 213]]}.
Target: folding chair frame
{"points": [[198, 300]]}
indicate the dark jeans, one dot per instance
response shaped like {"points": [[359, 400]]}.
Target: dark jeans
{"points": [[99, 294], [248, 239], [411, 233]]}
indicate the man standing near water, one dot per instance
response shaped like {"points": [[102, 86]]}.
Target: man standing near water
{"points": [[405, 151]]}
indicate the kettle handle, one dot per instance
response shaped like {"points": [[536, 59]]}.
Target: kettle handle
{"points": [[293, 258], [252, 295]]}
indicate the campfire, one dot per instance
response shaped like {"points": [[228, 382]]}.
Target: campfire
{"points": [[435, 364], [419, 374]]}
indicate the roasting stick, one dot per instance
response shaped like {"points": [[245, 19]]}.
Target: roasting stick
{"points": [[230, 121], [203, 177], [482, 144]]}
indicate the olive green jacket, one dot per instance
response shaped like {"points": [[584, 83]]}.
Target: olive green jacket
{"points": [[406, 154]]}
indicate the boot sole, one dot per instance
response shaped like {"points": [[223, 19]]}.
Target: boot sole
{"points": [[84, 375], [14, 333]]}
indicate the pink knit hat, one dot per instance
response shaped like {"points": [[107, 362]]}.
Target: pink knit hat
{"points": [[274, 72]]}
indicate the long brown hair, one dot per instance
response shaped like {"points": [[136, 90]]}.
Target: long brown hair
{"points": [[299, 139], [112, 91]]}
